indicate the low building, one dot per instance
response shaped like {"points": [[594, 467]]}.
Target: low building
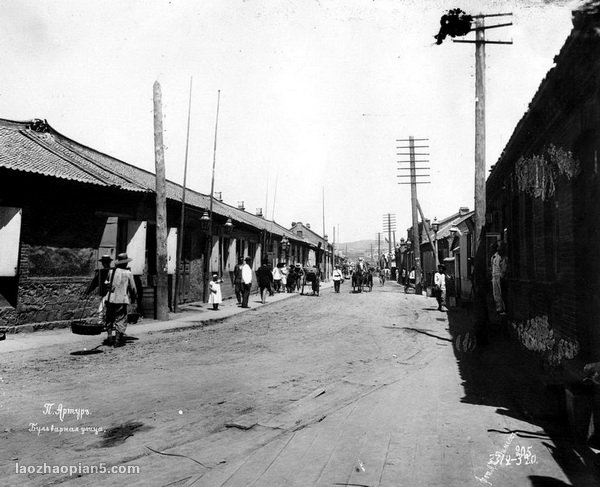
{"points": [[319, 251], [452, 239], [64, 204]]}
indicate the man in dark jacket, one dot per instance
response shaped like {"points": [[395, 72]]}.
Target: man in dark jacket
{"points": [[264, 277], [238, 284]]}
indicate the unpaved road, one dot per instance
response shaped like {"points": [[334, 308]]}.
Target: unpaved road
{"points": [[175, 388]]}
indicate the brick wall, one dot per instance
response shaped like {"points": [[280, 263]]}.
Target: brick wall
{"points": [[48, 302]]}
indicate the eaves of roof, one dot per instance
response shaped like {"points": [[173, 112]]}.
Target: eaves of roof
{"points": [[447, 223], [36, 147], [312, 237], [22, 148]]}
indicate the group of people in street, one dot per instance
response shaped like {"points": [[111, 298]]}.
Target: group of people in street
{"points": [[280, 279], [118, 291]]}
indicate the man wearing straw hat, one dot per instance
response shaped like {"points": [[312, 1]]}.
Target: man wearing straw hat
{"points": [[122, 292]]}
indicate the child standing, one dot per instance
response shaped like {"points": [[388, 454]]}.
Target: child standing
{"points": [[214, 286]]}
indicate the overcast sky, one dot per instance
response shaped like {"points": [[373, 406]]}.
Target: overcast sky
{"points": [[314, 94]]}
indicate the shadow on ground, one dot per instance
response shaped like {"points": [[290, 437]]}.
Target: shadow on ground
{"points": [[498, 373]]}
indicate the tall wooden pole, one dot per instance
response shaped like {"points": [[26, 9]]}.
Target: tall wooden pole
{"points": [[479, 130], [210, 211], [415, 217], [179, 273], [323, 198], [333, 246], [389, 225], [162, 288]]}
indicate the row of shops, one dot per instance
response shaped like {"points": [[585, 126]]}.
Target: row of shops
{"points": [[63, 205]]}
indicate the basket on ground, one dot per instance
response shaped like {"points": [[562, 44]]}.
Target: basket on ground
{"points": [[85, 328]]}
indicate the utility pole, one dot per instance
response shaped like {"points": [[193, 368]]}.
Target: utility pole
{"points": [[480, 43], [414, 181], [379, 247], [427, 229], [162, 283], [324, 232], [479, 250], [179, 272], [210, 211], [333, 246], [389, 225]]}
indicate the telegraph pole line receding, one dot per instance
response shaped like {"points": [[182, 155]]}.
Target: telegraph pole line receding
{"points": [[389, 226], [414, 181]]}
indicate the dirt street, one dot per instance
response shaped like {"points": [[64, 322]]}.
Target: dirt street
{"points": [[173, 388]]}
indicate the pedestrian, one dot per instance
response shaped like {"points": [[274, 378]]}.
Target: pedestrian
{"points": [[100, 281], [291, 279], [238, 284], [271, 286], [264, 278], [382, 276], [403, 276], [412, 279], [439, 286], [284, 274], [299, 275], [499, 264], [337, 278], [214, 287], [246, 281], [316, 280], [121, 293], [277, 277]]}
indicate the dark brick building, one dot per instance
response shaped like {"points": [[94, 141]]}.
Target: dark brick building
{"points": [[543, 200]]}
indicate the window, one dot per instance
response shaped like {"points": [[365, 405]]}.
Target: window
{"points": [[10, 234]]}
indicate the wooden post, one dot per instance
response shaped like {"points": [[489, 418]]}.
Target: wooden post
{"points": [[389, 225], [415, 218], [162, 291], [179, 275], [210, 211], [479, 130], [433, 247]]}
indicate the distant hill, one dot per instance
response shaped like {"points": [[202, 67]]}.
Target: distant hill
{"points": [[361, 248]]}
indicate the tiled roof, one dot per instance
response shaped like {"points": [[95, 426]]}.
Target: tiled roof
{"points": [[446, 224], [36, 147], [309, 236], [19, 152]]}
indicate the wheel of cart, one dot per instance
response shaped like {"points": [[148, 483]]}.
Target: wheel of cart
{"points": [[312, 275]]}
